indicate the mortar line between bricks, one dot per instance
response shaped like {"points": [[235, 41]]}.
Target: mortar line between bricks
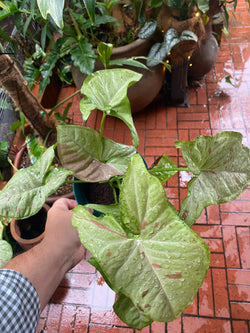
{"points": [[208, 110], [213, 318], [60, 319], [212, 287], [226, 273], [47, 313], [238, 247]]}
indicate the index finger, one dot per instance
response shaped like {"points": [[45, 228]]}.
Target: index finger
{"points": [[64, 203]]}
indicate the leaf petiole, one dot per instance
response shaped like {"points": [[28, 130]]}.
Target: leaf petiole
{"points": [[167, 169]]}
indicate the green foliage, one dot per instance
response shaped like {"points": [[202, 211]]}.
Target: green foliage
{"points": [[90, 7], [109, 5], [32, 66], [4, 148], [19, 123], [144, 249], [46, 70], [148, 29], [105, 51], [156, 268], [6, 252], [164, 168], [159, 51], [34, 148], [26, 14], [228, 80], [106, 90], [83, 56], [63, 118], [53, 8], [221, 172], [92, 158], [20, 199]]}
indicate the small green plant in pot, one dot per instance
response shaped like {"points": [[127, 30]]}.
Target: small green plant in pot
{"points": [[143, 247]]}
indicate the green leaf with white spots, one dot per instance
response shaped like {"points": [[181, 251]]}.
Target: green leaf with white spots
{"points": [[221, 165], [6, 252], [107, 91], [156, 268], [26, 192]]}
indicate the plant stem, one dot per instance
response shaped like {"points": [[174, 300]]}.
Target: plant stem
{"points": [[115, 182], [77, 29], [102, 123], [114, 194], [74, 181], [167, 169], [65, 99], [92, 33]]}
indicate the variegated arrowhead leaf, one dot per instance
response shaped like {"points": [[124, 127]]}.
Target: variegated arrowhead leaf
{"points": [[92, 158], [158, 268], [221, 165], [26, 192], [107, 91]]}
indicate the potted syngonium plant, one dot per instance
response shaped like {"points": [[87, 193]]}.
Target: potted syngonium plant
{"points": [[143, 247]]}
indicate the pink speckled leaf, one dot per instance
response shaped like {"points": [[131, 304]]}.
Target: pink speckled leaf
{"points": [[158, 265], [221, 165]]}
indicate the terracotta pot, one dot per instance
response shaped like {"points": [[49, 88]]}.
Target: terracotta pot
{"points": [[18, 164], [29, 232], [204, 57], [143, 92], [18, 158]]}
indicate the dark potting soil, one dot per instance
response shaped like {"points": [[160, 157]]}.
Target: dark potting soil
{"points": [[33, 226], [100, 193]]}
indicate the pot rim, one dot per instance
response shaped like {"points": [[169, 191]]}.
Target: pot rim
{"points": [[23, 242]]}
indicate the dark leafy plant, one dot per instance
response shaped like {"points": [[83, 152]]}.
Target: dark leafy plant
{"points": [[79, 26], [29, 25], [4, 148]]}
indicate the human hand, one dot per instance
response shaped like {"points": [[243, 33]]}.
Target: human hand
{"points": [[60, 235]]}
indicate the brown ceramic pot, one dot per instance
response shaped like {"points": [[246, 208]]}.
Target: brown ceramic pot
{"points": [[30, 231], [143, 92], [204, 57]]}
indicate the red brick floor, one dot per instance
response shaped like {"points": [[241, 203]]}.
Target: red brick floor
{"points": [[83, 302]]}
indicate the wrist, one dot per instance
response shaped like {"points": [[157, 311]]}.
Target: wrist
{"points": [[57, 254]]}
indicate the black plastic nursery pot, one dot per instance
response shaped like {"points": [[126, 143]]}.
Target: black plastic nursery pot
{"points": [[95, 193]]}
